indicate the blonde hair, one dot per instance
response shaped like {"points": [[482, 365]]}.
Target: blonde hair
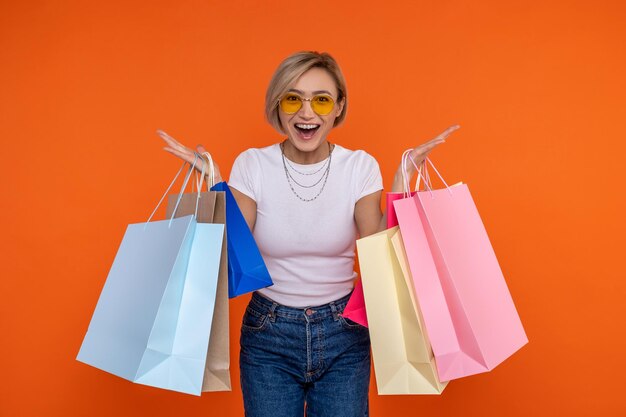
{"points": [[290, 70]]}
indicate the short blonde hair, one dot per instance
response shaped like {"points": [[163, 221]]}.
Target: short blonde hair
{"points": [[290, 70]]}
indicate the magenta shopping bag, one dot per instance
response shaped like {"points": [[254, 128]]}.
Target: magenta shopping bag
{"points": [[355, 308], [392, 219], [468, 311]]}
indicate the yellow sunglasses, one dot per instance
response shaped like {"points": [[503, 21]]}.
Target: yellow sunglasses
{"points": [[322, 104]]}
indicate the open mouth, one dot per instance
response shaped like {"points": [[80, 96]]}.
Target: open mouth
{"points": [[306, 131]]}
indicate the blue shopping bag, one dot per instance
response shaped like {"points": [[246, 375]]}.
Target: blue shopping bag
{"points": [[153, 319], [246, 269]]}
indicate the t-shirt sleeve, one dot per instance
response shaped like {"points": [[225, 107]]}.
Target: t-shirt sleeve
{"points": [[371, 178], [242, 176]]}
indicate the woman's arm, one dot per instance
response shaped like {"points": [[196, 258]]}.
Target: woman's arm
{"points": [[368, 216], [247, 207]]}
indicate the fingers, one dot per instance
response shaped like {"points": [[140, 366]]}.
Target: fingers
{"points": [[419, 154], [188, 155], [422, 150], [201, 150], [185, 156], [447, 132], [173, 143], [443, 135], [178, 149]]}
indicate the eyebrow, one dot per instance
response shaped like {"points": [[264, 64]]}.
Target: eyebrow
{"points": [[314, 92]]}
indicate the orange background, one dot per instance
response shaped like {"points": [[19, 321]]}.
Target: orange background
{"points": [[537, 86]]}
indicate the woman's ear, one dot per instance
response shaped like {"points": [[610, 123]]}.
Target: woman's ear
{"points": [[340, 105]]}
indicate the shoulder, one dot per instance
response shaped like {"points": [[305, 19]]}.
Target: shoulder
{"points": [[356, 158], [260, 153], [258, 156]]}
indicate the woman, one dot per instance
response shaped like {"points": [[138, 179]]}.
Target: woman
{"points": [[306, 201]]}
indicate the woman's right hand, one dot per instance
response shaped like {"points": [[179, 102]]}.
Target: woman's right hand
{"points": [[178, 149]]}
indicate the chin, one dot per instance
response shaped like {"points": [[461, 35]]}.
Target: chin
{"points": [[307, 143]]}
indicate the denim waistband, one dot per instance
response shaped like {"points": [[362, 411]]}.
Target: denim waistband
{"points": [[273, 309]]}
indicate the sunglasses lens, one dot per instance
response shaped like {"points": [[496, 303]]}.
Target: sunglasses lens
{"points": [[322, 104], [291, 103]]}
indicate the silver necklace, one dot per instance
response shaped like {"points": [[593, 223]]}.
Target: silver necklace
{"points": [[290, 178], [307, 173]]}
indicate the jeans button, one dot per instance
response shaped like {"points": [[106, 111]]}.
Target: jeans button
{"points": [[308, 312]]}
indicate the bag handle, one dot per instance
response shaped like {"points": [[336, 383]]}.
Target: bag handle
{"points": [[200, 182], [199, 185], [423, 171], [197, 156], [187, 176], [211, 174], [211, 170], [405, 178]]}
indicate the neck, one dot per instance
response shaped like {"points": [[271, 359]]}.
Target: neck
{"points": [[306, 158]]}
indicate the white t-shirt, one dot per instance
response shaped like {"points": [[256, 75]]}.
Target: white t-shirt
{"points": [[308, 247]]}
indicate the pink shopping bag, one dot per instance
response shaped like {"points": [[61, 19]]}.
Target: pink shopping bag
{"points": [[468, 311]]}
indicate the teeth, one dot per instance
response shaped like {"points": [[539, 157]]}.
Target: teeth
{"points": [[303, 126]]}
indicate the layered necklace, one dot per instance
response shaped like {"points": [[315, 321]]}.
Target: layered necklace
{"points": [[293, 182]]}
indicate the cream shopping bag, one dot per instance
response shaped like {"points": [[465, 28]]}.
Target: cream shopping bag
{"points": [[403, 359]]}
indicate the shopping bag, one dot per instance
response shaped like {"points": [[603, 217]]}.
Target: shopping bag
{"points": [[152, 322], [403, 361], [392, 219], [246, 269], [355, 308], [211, 209], [468, 311]]}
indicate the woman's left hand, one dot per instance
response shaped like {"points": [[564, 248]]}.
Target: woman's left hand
{"points": [[419, 154]]}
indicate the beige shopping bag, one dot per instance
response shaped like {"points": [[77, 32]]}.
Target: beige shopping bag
{"points": [[403, 359], [212, 209]]}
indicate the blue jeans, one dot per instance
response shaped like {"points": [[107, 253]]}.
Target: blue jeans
{"points": [[292, 358]]}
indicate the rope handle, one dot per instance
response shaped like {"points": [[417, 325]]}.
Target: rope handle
{"points": [[422, 171]]}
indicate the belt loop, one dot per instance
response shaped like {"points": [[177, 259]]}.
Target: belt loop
{"points": [[335, 311], [272, 314]]}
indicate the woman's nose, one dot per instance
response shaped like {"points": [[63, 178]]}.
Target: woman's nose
{"points": [[306, 110]]}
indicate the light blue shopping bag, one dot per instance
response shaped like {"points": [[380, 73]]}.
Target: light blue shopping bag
{"points": [[153, 319]]}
